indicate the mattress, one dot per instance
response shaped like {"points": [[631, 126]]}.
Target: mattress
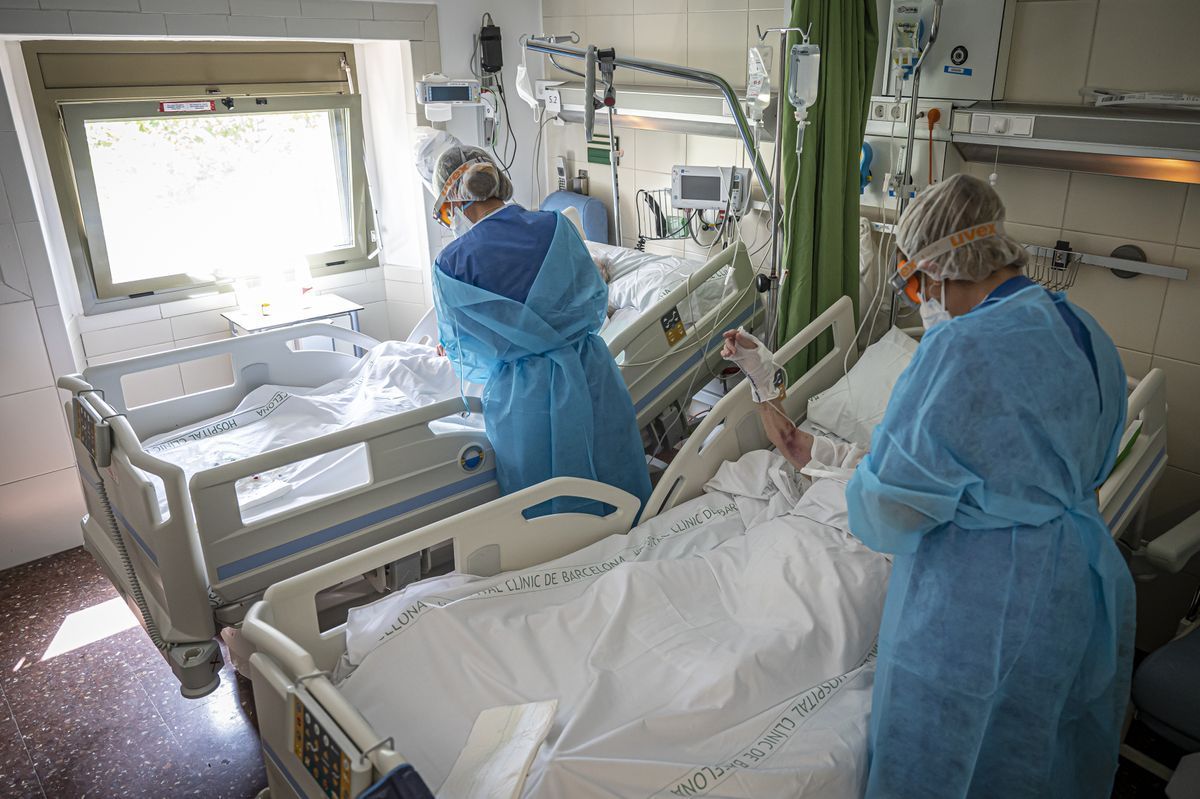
{"points": [[391, 378], [696, 656]]}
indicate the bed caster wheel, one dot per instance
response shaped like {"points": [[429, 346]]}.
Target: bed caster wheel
{"points": [[198, 667]]}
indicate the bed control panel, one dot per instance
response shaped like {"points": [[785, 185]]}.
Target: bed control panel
{"points": [[324, 750], [672, 325], [92, 431]]}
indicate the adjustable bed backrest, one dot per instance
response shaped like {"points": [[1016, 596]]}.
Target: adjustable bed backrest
{"points": [[732, 426], [256, 360]]}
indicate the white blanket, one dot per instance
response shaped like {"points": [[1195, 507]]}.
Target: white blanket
{"points": [[391, 378], [693, 657]]}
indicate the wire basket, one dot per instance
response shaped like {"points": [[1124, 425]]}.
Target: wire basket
{"points": [[1052, 267], [657, 220]]}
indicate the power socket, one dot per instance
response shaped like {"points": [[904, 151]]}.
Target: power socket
{"points": [[889, 111]]}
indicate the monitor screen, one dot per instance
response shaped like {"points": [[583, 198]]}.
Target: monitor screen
{"points": [[700, 187], [447, 94]]}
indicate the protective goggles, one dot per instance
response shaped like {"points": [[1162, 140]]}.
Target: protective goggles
{"points": [[443, 207], [905, 281]]}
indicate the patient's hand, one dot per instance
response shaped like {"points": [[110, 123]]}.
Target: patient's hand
{"points": [[735, 340]]}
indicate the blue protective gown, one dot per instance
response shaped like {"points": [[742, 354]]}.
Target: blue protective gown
{"points": [[519, 303], [1007, 637]]}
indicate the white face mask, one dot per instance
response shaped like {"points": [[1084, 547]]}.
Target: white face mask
{"points": [[932, 310], [459, 224]]}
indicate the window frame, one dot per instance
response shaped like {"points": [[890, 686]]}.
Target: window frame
{"points": [[75, 115], [190, 70]]}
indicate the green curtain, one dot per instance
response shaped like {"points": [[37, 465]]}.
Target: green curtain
{"points": [[820, 244]]}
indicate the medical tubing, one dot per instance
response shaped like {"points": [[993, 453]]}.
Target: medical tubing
{"points": [[135, 585], [684, 73]]}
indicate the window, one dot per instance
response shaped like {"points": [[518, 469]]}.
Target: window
{"points": [[172, 187]]}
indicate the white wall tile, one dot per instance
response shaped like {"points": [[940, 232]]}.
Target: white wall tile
{"points": [[18, 4], [1128, 310], [373, 320], [618, 7], [1176, 497], [257, 26], [403, 274], [93, 5], [9, 294], [1031, 196], [205, 302], [362, 293], [23, 362], [1033, 234], [1146, 43], [403, 316], [661, 37], [265, 8], [58, 345], [713, 151], [717, 5], [37, 263], [392, 29], [404, 292], [405, 12], [319, 28], [336, 9], [34, 432], [127, 316], [327, 282], [117, 23], [1149, 210], [12, 263], [1136, 364], [197, 324], [564, 8], [659, 7], [124, 355], [1183, 412], [12, 170], [716, 41], [658, 151], [615, 32], [1051, 42], [127, 337], [5, 208], [1189, 227], [202, 374], [36, 22], [197, 25], [153, 385], [1179, 330], [187, 6], [40, 516]]}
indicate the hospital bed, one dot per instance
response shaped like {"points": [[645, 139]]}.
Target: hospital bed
{"points": [[297, 656], [191, 555]]}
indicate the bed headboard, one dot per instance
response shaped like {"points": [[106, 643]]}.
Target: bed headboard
{"points": [[732, 426]]}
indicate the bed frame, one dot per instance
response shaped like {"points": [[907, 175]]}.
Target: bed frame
{"points": [[200, 568], [294, 656]]}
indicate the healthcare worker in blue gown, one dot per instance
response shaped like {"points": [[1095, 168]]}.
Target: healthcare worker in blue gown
{"points": [[520, 304], [1007, 634]]}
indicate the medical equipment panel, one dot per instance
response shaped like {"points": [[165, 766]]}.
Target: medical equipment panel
{"points": [[441, 95], [710, 188], [330, 758], [969, 59]]}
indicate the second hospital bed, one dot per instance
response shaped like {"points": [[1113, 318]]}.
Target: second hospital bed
{"points": [[191, 529], [733, 726]]}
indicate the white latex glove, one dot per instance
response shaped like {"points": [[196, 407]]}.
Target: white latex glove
{"points": [[767, 379]]}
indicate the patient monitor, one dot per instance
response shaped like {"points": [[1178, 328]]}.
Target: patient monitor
{"points": [[710, 188]]}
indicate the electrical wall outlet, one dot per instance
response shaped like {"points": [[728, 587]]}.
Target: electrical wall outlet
{"points": [[889, 111]]}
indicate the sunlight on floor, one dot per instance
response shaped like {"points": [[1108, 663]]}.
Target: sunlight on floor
{"points": [[90, 625]]}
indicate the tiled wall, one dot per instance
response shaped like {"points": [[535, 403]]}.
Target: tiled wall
{"points": [[1059, 46]]}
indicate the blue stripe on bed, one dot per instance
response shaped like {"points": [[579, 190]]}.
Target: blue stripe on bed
{"points": [[123, 521], [1133, 494], [691, 361], [350, 526]]}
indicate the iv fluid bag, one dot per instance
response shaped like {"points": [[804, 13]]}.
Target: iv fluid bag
{"points": [[804, 72], [758, 80]]}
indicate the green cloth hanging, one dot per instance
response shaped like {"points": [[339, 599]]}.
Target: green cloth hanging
{"points": [[820, 234]]}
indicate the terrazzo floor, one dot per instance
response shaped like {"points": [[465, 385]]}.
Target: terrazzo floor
{"points": [[106, 719]]}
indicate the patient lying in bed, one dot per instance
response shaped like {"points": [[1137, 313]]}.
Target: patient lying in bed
{"points": [[724, 648]]}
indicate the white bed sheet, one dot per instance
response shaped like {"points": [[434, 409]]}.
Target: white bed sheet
{"points": [[391, 378], [694, 657]]}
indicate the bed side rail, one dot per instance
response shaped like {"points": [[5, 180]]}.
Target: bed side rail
{"points": [[256, 359], [679, 294], [732, 427], [488, 539], [1131, 482]]}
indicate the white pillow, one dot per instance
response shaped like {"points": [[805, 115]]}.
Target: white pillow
{"points": [[856, 403]]}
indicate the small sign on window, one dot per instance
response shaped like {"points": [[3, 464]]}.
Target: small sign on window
{"points": [[187, 105]]}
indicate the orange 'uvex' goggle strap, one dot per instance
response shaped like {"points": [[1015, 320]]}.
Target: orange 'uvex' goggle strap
{"points": [[442, 209]]}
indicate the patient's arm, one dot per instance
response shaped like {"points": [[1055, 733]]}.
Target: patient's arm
{"points": [[792, 442]]}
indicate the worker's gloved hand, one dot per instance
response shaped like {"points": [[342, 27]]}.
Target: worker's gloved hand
{"points": [[766, 378]]}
